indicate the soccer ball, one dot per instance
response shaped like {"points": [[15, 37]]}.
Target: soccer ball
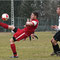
{"points": [[5, 17]]}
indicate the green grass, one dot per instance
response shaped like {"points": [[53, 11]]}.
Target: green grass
{"points": [[35, 50]]}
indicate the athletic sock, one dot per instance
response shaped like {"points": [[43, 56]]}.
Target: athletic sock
{"points": [[4, 25], [56, 48], [30, 38], [13, 49]]}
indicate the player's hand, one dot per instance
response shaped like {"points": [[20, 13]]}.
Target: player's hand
{"points": [[28, 20], [54, 27]]}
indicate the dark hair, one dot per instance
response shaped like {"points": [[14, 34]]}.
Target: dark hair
{"points": [[36, 14]]}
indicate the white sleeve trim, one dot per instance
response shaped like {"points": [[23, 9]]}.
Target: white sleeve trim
{"points": [[58, 27], [35, 23]]}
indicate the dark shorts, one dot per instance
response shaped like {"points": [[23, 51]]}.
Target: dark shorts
{"points": [[57, 36]]}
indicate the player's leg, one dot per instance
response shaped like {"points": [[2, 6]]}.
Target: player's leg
{"points": [[30, 37], [35, 36], [13, 48], [11, 27], [19, 35], [55, 45], [12, 40], [6, 26]]}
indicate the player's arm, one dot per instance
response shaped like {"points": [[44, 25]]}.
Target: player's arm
{"points": [[56, 27], [28, 24], [33, 23], [27, 21]]}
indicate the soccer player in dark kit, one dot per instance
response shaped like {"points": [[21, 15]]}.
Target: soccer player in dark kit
{"points": [[56, 37], [21, 33]]}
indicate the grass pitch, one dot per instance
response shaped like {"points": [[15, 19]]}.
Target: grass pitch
{"points": [[28, 50]]}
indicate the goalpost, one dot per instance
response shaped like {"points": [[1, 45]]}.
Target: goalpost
{"points": [[12, 12]]}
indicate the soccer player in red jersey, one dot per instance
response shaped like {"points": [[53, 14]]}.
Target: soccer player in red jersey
{"points": [[21, 33], [32, 35]]}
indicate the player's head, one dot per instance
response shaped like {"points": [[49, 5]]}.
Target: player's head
{"points": [[58, 10], [34, 15]]}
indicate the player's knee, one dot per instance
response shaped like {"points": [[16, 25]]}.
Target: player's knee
{"points": [[54, 42], [11, 27], [32, 35], [11, 41]]}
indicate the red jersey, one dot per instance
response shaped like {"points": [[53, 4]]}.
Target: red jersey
{"points": [[24, 33], [30, 29]]}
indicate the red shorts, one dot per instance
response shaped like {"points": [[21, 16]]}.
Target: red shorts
{"points": [[19, 35]]}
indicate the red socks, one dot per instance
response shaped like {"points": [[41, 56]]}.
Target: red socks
{"points": [[13, 49], [4, 25]]}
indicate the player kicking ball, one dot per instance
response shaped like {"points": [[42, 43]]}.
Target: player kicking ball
{"points": [[21, 34], [56, 37]]}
